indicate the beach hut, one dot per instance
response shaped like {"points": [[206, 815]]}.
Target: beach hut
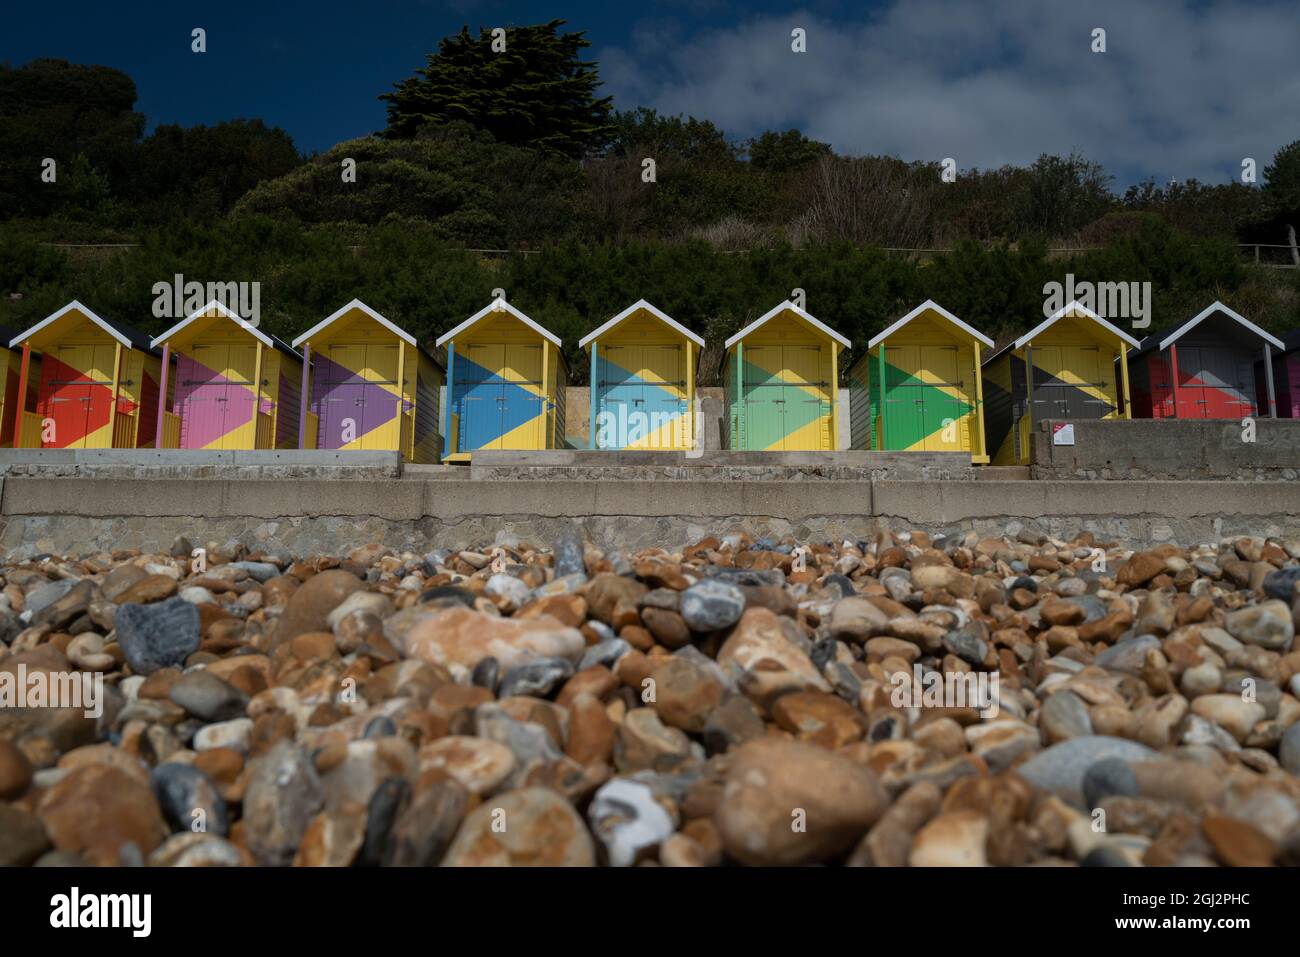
{"points": [[1286, 377], [781, 373], [928, 363], [368, 385], [1205, 368], [642, 381], [12, 361], [234, 387], [1080, 372], [506, 382], [96, 384]]}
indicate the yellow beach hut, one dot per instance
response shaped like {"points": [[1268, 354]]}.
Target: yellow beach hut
{"points": [[781, 374], [642, 381], [96, 384], [506, 381], [368, 385], [1080, 371], [917, 388], [235, 386]]}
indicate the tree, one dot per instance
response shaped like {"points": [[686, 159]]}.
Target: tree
{"points": [[204, 170], [471, 189], [1282, 180], [1066, 194], [55, 109], [644, 132], [536, 93], [784, 152]]}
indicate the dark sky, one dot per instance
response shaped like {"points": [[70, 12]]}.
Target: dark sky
{"points": [[1186, 87]]}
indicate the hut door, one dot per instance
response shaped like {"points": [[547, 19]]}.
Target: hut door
{"points": [[941, 410], [480, 396], [234, 392], [522, 401], [76, 393], [342, 397], [620, 394], [904, 397], [379, 414], [764, 394], [807, 401], [1068, 381], [358, 405], [1210, 385], [664, 395]]}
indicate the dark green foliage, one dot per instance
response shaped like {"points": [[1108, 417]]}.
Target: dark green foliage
{"points": [[201, 171], [1282, 182], [55, 109], [470, 189], [785, 152], [538, 92]]}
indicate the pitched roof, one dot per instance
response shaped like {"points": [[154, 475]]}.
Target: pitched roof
{"points": [[498, 305], [1166, 337], [128, 335], [1072, 308], [356, 304], [932, 306], [640, 304], [266, 338], [791, 307]]}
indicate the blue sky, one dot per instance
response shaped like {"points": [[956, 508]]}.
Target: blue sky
{"points": [[1186, 87]]}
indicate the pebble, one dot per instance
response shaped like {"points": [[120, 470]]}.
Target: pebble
{"points": [[569, 557], [788, 803], [460, 636], [1107, 777], [207, 697], [480, 765], [538, 677], [530, 827], [857, 619], [1288, 751], [95, 811], [15, 771], [1061, 767], [764, 662], [954, 839], [513, 593], [1063, 716], [282, 796], [309, 607], [159, 635], [1230, 712], [22, 836], [424, 830], [712, 605], [234, 735], [189, 799], [1281, 584], [1267, 625], [605, 653], [627, 820]]}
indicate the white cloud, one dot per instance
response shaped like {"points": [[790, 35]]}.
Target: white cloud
{"points": [[1185, 88]]}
